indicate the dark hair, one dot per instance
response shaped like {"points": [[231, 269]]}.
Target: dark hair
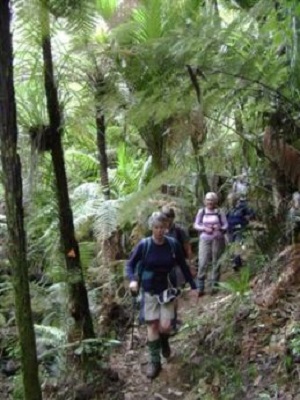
{"points": [[168, 211]]}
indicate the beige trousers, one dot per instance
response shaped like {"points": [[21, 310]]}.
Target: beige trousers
{"points": [[210, 252]]}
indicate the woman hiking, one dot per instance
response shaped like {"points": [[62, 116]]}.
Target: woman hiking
{"points": [[162, 254], [212, 224]]}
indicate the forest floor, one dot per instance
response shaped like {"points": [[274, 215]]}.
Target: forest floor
{"points": [[131, 361], [227, 348], [175, 380], [242, 343]]}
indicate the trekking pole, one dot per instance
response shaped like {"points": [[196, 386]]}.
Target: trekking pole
{"points": [[134, 295]]}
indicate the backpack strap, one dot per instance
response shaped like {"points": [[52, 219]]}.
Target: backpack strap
{"points": [[219, 216], [146, 247], [202, 213], [216, 213]]}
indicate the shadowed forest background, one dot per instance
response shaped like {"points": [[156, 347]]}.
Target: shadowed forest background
{"points": [[109, 110]]}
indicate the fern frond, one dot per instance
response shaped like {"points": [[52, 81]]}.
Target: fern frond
{"points": [[107, 8], [106, 220], [50, 334]]}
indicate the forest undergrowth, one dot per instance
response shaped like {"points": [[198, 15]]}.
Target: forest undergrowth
{"points": [[231, 345], [241, 343]]}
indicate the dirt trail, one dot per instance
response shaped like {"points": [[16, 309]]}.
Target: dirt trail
{"points": [[171, 384]]}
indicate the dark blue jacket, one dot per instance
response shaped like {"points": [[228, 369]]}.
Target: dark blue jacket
{"points": [[159, 262], [238, 216]]}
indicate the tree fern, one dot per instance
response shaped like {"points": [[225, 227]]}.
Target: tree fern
{"points": [[106, 220]]}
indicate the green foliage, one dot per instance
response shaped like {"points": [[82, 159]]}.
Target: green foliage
{"points": [[148, 21], [217, 371], [50, 335], [107, 8], [18, 391], [43, 231], [106, 219], [146, 93], [82, 166], [239, 285], [97, 347], [294, 341], [136, 206], [130, 172], [147, 57], [54, 341]]}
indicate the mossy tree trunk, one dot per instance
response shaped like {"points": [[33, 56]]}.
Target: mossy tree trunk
{"points": [[78, 299], [156, 141], [101, 134], [12, 179]]}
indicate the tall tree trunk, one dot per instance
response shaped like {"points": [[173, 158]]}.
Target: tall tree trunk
{"points": [[239, 127], [12, 178], [101, 135], [156, 142], [199, 130], [79, 306], [101, 143]]}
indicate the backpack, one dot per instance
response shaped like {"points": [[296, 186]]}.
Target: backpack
{"points": [[146, 247], [202, 213], [179, 237]]}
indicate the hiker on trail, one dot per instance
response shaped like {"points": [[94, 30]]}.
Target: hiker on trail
{"points": [[293, 219], [151, 272], [241, 185], [212, 224], [180, 234], [238, 217]]}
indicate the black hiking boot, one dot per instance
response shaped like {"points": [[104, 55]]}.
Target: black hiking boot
{"points": [[153, 370], [201, 287], [237, 263], [165, 346]]}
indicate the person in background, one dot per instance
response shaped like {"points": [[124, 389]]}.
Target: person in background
{"points": [[293, 219], [212, 224], [238, 217], [241, 185], [162, 256], [180, 234]]}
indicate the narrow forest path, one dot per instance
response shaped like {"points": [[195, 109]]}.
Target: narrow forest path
{"points": [[174, 381]]}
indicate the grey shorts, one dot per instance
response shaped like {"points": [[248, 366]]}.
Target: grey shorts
{"points": [[155, 311]]}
